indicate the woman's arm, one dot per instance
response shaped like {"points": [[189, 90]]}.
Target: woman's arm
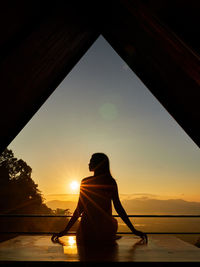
{"points": [[71, 222], [75, 216], [122, 213]]}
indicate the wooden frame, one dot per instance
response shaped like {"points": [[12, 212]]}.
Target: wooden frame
{"points": [[39, 52]]}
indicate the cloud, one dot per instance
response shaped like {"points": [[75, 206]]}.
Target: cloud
{"points": [[138, 196]]}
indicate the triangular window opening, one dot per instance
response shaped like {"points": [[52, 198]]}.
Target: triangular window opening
{"points": [[102, 106]]}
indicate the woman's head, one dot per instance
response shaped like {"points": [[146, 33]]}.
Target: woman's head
{"points": [[99, 162]]}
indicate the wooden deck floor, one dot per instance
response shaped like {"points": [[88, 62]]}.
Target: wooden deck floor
{"points": [[39, 248]]}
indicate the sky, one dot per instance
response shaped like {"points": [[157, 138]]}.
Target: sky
{"points": [[102, 106]]}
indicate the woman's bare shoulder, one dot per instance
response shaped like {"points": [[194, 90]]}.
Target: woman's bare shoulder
{"points": [[86, 179]]}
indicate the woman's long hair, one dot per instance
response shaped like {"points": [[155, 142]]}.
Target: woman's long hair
{"points": [[102, 163]]}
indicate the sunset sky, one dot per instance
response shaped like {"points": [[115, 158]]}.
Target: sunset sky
{"points": [[102, 106]]}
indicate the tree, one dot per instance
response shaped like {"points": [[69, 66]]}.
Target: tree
{"points": [[18, 192]]}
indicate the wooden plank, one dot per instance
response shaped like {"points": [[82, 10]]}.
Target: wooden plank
{"points": [[40, 249], [35, 68], [161, 60]]}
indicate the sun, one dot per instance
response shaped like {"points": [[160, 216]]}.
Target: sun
{"points": [[74, 185]]}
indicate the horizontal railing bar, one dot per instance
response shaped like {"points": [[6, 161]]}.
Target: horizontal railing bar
{"points": [[59, 216], [74, 233]]}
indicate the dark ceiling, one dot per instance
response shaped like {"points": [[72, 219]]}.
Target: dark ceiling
{"points": [[41, 41]]}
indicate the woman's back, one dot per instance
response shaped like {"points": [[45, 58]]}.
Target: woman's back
{"points": [[96, 193], [95, 199]]}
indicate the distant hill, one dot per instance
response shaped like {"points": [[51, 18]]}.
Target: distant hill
{"points": [[156, 206], [142, 205]]}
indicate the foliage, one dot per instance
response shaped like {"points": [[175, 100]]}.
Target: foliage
{"points": [[62, 212], [18, 193]]}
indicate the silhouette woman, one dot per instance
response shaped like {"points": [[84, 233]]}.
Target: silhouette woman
{"points": [[94, 204]]}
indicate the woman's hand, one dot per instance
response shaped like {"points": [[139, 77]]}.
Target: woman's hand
{"points": [[55, 236], [142, 235]]}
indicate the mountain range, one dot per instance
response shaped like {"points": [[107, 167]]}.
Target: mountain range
{"points": [[142, 205]]}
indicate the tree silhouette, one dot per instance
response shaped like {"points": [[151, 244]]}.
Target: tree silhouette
{"points": [[18, 192]]}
